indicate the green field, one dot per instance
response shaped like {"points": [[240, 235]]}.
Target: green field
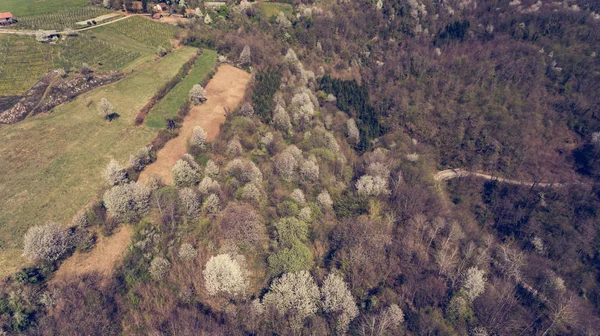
{"points": [[23, 61], [60, 20], [123, 45], [273, 8], [36, 7], [169, 106], [144, 31], [51, 164]]}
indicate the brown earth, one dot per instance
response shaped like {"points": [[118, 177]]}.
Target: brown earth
{"points": [[224, 92], [101, 259]]}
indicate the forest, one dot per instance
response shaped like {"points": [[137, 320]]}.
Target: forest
{"points": [[317, 211]]}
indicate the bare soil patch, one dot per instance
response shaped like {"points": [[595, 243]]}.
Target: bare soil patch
{"points": [[101, 259], [224, 92]]}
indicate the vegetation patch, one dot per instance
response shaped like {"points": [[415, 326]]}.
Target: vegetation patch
{"points": [[37, 7], [145, 31], [60, 20], [52, 164]]}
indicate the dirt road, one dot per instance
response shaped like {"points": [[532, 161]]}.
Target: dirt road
{"points": [[224, 92], [449, 174]]}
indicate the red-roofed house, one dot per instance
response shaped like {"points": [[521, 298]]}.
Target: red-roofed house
{"points": [[6, 18]]}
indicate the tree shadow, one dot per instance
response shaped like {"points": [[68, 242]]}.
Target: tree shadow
{"points": [[112, 116]]}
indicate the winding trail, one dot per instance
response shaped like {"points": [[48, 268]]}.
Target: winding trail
{"points": [[449, 174]]}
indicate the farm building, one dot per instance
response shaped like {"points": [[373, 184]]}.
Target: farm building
{"points": [[7, 18]]}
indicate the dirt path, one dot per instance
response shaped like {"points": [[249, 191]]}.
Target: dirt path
{"points": [[102, 258], [449, 174], [224, 92]]}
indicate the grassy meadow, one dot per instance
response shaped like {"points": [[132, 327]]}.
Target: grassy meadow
{"points": [[169, 105], [52, 164], [121, 46], [273, 8], [37, 7]]}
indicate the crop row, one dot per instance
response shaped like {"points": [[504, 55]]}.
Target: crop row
{"points": [[146, 31], [61, 20]]}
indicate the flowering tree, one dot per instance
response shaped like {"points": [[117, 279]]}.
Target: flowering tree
{"points": [[226, 275], [127, 201], [159, 267], [474, 283], [197, 93], [338, 301], [114, 173], [294, 295], [245, 56], [47, 242], [198, 137]]}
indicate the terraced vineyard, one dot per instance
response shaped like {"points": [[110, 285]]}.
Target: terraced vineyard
{"points": [[61, 20], [22, 62], [145, 31], [95, 52]]}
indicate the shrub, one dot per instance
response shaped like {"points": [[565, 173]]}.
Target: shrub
{"points": [[224, 274], [48, 242], [198, 137], [309, 171], [234, 147], [127, 201], [190, 203], [287, 209], [114, 173], [338, 300], [294, 295], [140, 159], [285, 165], [187, 252], [245, 56], [352, 131], [241, 224], [184, 174], [298, 196], [197, 94], [211, 204], [324, 200], [105, 108], [372, 185], [159, 267], [243, 170], [208, 185], [211, 169], [247, 110], [281, 119], [290, 230], [474, 283], [296, 257], [305, 214]]}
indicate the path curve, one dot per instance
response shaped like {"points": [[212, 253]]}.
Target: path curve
{"points": [[224, 92], [449, 174]]}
